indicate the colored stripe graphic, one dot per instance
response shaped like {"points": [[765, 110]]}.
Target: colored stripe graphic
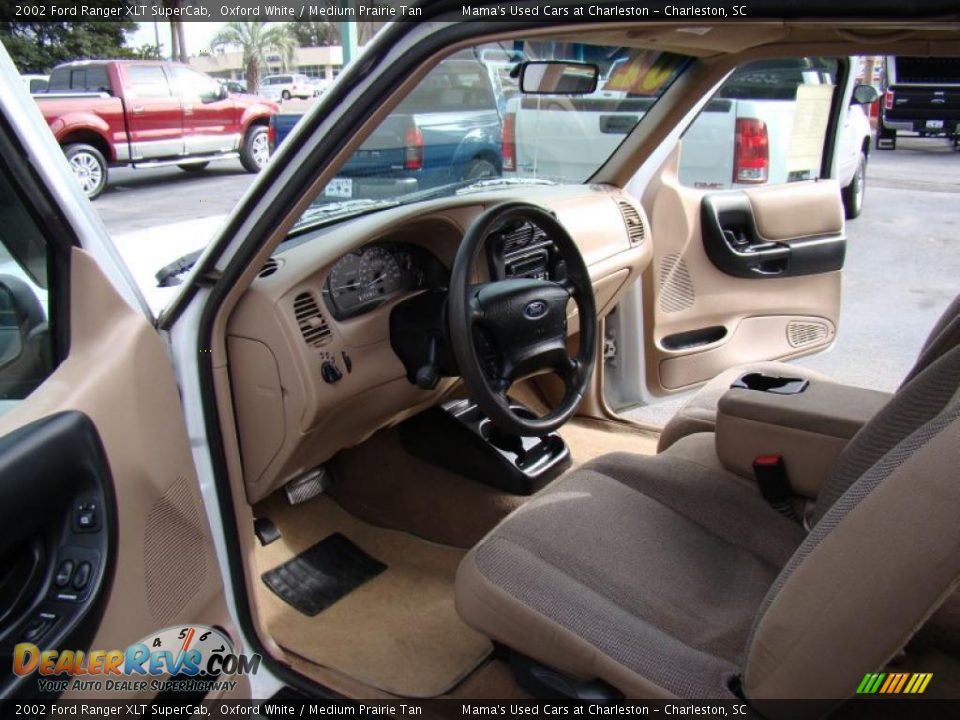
{"points": [[894, 683]]}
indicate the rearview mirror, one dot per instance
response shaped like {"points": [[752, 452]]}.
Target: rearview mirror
{"points": [[864, 95], [558, 77]]}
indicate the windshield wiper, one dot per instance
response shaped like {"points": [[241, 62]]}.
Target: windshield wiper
{"points": [[502, 182]]}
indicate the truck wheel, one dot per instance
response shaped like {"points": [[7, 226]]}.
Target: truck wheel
{"points": [[89, 168], [193, 167], [256, 149], [479, 168], [286, 95], [853, 193]]}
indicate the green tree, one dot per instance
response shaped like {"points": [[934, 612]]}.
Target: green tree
{"points": [[256, 40], [36, 47], [315, 33]]}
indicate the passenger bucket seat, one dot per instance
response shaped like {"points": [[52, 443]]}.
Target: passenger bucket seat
{"points": [[699, 413], [668, 576]]}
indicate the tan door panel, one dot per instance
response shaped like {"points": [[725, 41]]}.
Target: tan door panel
{"points": [[700, 320], [117, 373]]}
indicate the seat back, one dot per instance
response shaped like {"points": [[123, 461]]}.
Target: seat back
{"points": [[944, 336], [882, 555]]}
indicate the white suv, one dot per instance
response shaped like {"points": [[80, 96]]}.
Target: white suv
{"points": [[284, 87]]}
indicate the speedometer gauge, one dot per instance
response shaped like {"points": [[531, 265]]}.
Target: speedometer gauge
{"points": [[379, 274], [344, 281]]}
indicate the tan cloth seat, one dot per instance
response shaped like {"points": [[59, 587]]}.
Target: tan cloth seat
{"points": [[667, 576], [699, 412]]}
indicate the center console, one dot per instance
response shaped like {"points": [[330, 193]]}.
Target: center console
{"points": [[457, 436], [807, 423]]}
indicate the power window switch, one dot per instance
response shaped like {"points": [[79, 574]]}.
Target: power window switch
{"points": [[64, 574], [38, 627]]}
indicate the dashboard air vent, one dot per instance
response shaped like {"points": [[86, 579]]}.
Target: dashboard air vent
{"points": [[269, 268], [526, 234], [313, 325], [631, 218]]}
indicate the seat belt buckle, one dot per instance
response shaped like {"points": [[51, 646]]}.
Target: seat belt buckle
{"points": [[771, 474]]}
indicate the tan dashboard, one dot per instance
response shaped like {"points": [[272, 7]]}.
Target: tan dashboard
{"points": [[293, 412]]}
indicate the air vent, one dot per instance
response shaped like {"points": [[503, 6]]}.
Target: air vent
{"points": [[800, 334], [269, 268], [313, 326], [631, 218], [526, 234]]}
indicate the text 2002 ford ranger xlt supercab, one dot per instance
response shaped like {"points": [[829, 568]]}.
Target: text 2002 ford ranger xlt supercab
{"points": [[146, 114]]}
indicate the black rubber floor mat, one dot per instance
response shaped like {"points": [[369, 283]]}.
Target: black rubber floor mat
{"points": [[319, 576]]}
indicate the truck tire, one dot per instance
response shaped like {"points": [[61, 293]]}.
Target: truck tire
{"points": [[479, 169], [286, 95], [193, 167], [88, 167], [853, 193], [255, 151]]}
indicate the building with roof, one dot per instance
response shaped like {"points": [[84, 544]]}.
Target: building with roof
{"points": [[324, 63]]}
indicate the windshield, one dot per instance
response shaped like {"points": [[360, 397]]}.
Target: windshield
{"points": [[468, 126]]}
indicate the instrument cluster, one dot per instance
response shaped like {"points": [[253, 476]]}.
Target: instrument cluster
{"points": [[366, 278]]}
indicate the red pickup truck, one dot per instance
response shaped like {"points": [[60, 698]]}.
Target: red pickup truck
{"points": [[149, 114]]}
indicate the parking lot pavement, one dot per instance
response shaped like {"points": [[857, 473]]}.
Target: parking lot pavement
{"points": [[903, 261], [138, 199]]}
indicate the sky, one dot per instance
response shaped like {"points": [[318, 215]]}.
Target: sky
{"points": [[198, 35]]}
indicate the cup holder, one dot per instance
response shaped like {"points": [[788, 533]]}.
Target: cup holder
{"points": [[771, 384]]}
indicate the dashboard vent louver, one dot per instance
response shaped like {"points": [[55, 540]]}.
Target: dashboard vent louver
{"points": [[526, 234], [313, 325], [631, 218], [269, 268]]}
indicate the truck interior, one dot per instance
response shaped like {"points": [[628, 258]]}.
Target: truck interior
{"points": [[511, 538], [426, 486]]}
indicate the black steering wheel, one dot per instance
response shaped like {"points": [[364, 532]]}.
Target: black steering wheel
{"points": [[505, 330]]}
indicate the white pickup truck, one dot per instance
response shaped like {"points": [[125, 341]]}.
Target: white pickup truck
{"points": [[739, 139]]}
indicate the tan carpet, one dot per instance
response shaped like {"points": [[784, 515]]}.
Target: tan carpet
{"points": [[383, 484], [398, 632]]}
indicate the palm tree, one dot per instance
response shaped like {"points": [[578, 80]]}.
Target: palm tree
{"points": [[255, 40]]}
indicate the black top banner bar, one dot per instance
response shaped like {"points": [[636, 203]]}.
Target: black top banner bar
{"points": [[480, 10]]}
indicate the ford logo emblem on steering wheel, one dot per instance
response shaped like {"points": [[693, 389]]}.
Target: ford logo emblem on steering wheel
{"points": [[536, 309]]}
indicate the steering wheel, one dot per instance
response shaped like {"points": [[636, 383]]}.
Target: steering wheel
{"points": [[505, 330]]}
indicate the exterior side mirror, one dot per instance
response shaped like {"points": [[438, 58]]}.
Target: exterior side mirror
{"points": [[864, 95], [558, 77], [25, 358]]}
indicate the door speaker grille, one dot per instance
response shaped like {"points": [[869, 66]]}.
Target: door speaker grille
{"points": [[173, 578], [806, 333], [313, 325], [676, 286]]}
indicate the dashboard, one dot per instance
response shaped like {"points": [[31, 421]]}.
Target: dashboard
{"points": [[314, 346], [363, 280]]}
